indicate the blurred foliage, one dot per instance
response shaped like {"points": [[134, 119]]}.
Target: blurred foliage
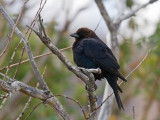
{"points": [[129, 3], [144, 81]]}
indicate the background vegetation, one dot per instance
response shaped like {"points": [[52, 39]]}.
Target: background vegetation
{"points": [[142, 90]]}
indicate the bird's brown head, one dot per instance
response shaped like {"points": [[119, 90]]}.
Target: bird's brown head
{"points": [[83, 33]]}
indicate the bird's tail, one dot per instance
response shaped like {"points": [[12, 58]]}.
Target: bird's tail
{"points": [[120, 76], [112, 80]]}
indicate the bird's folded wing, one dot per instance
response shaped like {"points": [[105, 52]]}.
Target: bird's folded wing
{"points": [[98, 53]]}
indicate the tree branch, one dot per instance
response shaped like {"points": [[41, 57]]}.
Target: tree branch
{"points": [[111, 26], [106, 109], [28, 49], [85, 75], [53, 102], [34, 92], [132, 13]]}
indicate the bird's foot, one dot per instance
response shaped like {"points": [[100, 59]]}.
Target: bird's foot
{"points": [[84, 70]]}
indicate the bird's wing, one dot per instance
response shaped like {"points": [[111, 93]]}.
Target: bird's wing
{"points": [[98, 53]]}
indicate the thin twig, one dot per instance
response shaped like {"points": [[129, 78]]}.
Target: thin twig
{"points": [[132, 13], [84, 75], [10, 37], [85, 116], [40, 21], [36, 17], [3, 96], [28, 49], [29, 100], [24, 109], [19, 63], [4, 50], [38, 56], [114, 46], [32, 24], [139, 63], [126, 77], [133, 113], [98, 24], [53, 102], [33, 110], [4, 101]]}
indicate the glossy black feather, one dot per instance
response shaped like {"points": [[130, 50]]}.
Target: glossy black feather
{"points": [[91, 52]]}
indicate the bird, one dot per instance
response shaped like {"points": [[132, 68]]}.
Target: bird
{"points": [[90, 52]]}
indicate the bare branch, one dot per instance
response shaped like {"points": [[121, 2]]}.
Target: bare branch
{"points": [[111, 26], [132, 13], [32, 110], [86, 76], [87, 71], [29, 100], [28, 49], [85, 116], [36, 93], [57, 52], [114, 46], [4, 50], [32, 24], [105, 15], [25, 107], [10, 37], [4, 101], [35, 57], [144, 58], [53, 102], [98, 24]]}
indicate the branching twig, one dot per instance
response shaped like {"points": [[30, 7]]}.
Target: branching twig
{"points": [[4, 100], [86, 76], [85, 116], [28, 49], [29, 100], [33, 110], [114, 46], [32, 24], [10, 37], [132, 13], [53, 101], [38, 56], [24, 109], [34, 92], [112, 28]]}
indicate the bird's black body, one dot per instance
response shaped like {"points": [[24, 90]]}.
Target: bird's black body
{"points": [[89, 51]]}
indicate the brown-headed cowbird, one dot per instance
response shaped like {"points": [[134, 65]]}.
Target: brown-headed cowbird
{"points": [[89, 51]]}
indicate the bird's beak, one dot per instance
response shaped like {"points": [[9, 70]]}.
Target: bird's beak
{"points": [[75, 35]]}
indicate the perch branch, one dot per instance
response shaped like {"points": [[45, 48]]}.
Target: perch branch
{"points": [[86, 76]]}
